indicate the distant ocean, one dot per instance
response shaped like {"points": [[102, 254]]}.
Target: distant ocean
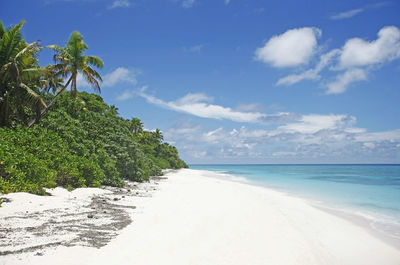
{"points": [[368, 191]]}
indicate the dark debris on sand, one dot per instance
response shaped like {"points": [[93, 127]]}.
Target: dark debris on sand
{"points": [[90, 225]]}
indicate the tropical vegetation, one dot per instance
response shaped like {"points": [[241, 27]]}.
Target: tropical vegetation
{"points": [[51, 136]]}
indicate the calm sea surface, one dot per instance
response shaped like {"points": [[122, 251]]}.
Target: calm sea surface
{"points": [[370, 191]]}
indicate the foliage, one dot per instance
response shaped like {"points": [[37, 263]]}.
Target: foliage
{"points": [[35, 158], [82, 141], [70, 61], [19, 77]]}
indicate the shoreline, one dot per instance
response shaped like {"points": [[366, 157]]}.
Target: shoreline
{"points": [[195, 219], [343, 213]]}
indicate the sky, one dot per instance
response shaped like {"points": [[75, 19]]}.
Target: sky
{"points": [[240, 81]]}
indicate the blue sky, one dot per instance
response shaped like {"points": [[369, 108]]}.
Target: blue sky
{"points": [[242, 81]]}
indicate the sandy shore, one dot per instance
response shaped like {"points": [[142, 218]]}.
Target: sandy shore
{"points": [[194, 218]]}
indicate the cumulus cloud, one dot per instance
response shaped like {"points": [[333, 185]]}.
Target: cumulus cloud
{"points": [[347, 14], [120, 3], [292, 48], [358, 52], [199, 105], [353, 62], [342, 81]]}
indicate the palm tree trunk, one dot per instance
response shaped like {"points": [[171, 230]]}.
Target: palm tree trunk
{"points": [[44, 112], [4, 111]]}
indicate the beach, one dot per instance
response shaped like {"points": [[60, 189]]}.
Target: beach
{"points": [[194, 217]]}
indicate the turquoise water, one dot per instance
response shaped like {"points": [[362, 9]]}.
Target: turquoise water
{"points": [[370, 191]]}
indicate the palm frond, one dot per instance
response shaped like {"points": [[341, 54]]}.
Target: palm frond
{"points": [[75, 45], [33, 97], [2, 29], [31, 48], [11, 43], [32, 73], [95, 61], [91, 77], [91, 71]]}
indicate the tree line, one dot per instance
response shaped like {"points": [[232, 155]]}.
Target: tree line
{"points": [[53, 135]]}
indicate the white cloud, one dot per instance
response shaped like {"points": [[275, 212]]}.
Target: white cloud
{"points": [[344, 80], [127, 94], [347, 14], [188, 3], [356, 11], [195, 48], [331, 137], [199, 105], [358, 52], [391, 136], [120, 75], [214, 136], [195, 104], [292, 48], [353, 62], [311, 74], [227, 2], [194, 98], [312, 123], [120, 3]]}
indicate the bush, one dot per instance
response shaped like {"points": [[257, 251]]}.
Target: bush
{"points": [[81, 143], [35, 158]]}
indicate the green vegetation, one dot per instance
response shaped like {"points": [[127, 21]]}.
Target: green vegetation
{"points": [[74, 140]]}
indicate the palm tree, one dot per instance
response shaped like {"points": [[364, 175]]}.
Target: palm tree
{"points": [[50, 80], [71, 61], [136, 126], [158, 135], [19, 72], [113, 110]]}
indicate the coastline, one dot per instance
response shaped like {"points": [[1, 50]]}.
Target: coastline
{"points": [[389, 234], [195, 219]]}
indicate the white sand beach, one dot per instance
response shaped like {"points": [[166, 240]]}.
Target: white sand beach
{"points": [[194, 218]]}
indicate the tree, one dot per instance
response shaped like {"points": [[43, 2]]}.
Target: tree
{"points": [[158, 135], [19, 75], [50, 80], [71, 61], [136, 126]]}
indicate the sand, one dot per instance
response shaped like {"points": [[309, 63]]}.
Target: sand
{"points": [[196, 218]]}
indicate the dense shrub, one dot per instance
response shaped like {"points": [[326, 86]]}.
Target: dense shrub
{"points": [[35, 158], [81, 142]]}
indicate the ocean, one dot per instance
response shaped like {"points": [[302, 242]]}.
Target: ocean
{"points": [[371, 192]]}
